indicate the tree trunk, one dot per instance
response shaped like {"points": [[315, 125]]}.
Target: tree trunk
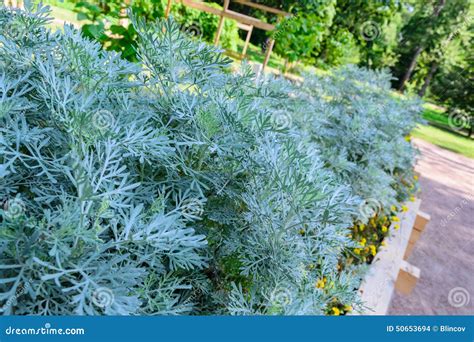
{"points": [[419, 49], [428, 78], [410, 69]]}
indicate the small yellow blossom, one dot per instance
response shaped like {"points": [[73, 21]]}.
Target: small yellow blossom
{"points": [[361, 227], [404, 208], [302, 232], [363, 241], [336, 311], [412, 198], [384, 229], [395, 219], [415, 177], [357, 250], [320, 284], [348, 308], [373, 250], [396, 227], [393, 208], [383, 243], [408, 138]]}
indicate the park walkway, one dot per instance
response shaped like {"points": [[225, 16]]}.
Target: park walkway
{"points": [[445, 251]]}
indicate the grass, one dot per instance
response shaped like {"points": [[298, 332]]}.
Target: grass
{"points": [[255, 54], [446, 139], [435, 114], [67, 15]]}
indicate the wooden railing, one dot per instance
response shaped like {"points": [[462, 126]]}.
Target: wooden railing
{"points": [[245, 22]]}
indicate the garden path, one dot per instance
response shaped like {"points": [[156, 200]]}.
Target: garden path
{"points": [[445, 251]]}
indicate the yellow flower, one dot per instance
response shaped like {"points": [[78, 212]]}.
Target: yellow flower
{"points": [[302, 232], [363, 241], [384, 229], [415, 177], [372, 222], [347, 308], [320, 284], [396, 227], [373, 250], [357, 250], [404, 208], [361, 227], [412, 198], [393, 208], [336, 311], [395, 219], [383, 243]]}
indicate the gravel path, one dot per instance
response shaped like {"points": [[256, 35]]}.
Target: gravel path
{"points": [[445, 251]]}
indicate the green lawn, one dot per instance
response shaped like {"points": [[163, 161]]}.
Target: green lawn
{"points": [[435, 114], [255, 54], [446, 139]]}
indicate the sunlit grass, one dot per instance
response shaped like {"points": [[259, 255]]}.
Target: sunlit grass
{"points": [[446, 139]]}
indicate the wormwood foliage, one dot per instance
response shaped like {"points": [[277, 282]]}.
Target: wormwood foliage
{"points": [[174, 186]]}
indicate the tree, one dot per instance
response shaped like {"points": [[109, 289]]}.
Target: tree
{"points": [[429, 26]]}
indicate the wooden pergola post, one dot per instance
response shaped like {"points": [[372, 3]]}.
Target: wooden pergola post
{"points": [[247, 40], [268, 52], [168, 9], [239, 17], [221, 23]]}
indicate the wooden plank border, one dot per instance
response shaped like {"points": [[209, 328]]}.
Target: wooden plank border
{"points": [[377, 287]]}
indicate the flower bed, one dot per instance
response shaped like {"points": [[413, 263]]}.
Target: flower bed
{"points": [[377, 288], [175, 186]]}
